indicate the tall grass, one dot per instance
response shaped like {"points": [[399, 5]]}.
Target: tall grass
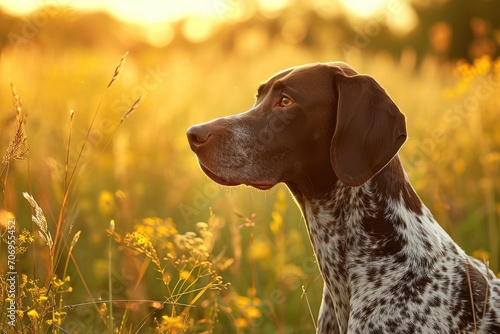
{"points": [[143, 273], [40, 305]]}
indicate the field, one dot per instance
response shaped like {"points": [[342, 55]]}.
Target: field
{"points": [[127, 233]]}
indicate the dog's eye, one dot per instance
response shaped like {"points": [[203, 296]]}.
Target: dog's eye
{"points": [[285, 101]]}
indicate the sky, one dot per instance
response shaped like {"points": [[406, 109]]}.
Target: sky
{"points": [[142, 11], [203, 15], [155, 11]]}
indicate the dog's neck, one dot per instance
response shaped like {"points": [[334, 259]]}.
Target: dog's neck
{"points": [[358, 231], [389, 190]]}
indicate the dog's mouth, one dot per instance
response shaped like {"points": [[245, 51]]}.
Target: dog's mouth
{"points": [[216, 178], [224, 182]]}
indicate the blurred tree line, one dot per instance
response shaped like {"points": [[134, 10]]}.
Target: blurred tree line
{"points": [[459, 29], [450, 30]]}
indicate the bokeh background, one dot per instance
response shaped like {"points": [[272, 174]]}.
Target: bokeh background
{"points": [[189, 62]]}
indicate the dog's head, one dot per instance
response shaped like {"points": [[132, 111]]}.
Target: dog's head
{"points": [[309, 125]]}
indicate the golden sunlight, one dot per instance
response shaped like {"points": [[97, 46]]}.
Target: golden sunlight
{"points": [[203, 15], [273, 6], [143, 12], [399, 16], [364, 8]]}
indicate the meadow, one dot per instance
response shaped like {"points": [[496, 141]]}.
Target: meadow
{"points": [[118, 230]]}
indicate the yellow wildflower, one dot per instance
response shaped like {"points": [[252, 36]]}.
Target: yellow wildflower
{"points": [[241, 322], [252, 312], [260, 249], [202, 226], [481, 254], [242, 301], [173, 322], [106, 203], [141, 239], [252, 292], [33, 314], [280, 204], [183, 275], [277, 222]]}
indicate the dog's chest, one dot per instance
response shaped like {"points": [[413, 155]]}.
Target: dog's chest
{"points": [[327, 222], [376, 255]]}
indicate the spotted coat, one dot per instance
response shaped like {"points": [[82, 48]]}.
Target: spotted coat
{"points": [[389, 267]]}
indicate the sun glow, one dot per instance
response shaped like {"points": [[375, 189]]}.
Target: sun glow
{"points": [[397, 14], [364, 8], [143, 12], [203, 15], [155, 11]]}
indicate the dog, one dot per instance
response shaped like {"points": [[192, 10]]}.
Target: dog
{"points": [[332, 136]]}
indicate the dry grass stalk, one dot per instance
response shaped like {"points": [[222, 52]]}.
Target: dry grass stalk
{"points": [[39, 219], [471, 295], [74, 240], [17, 100], [118, 69], [66, 167], [486, 295], [16, 149], [132, 108]]}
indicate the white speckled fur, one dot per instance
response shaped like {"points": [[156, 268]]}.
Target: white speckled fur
{"points": [[365, 297]]}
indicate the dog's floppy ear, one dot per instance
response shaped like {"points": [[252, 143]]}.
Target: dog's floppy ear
{"points": [[369, 129]]}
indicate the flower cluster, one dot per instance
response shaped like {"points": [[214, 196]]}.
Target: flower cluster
{"points": [[468, 73], [186, 268]]}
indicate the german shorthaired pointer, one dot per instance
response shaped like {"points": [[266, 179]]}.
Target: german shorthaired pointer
{"points": [[332, 135]]}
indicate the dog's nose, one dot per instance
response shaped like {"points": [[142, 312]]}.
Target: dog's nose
{"points": [[197, 136]]}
